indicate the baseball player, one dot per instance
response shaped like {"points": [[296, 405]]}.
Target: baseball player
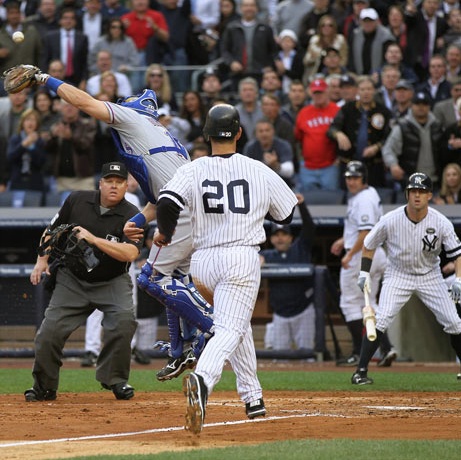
{"points": [[364, 209], [229, 196], [152, 155], [413, 235]]}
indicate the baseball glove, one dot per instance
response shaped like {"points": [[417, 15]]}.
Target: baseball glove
{"points": [[19, 77]]}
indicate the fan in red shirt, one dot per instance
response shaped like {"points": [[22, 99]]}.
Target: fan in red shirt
{"points": [[320, 170], [142, 23]]}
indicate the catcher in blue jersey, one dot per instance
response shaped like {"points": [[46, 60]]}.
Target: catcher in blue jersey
{"points": [[152, 155]]}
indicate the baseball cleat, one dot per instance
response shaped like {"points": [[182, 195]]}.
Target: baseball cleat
{"points": [[255, 409], [89, 359], [176, 366], [387, 359], [197, 394], [458, 377], [351, 361], [360, 378]]}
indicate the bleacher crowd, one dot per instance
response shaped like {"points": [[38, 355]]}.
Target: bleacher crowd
{"points": [[317, 83]]}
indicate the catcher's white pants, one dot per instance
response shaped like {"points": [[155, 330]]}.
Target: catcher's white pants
{"points": [[351, 300], [232, 276]]}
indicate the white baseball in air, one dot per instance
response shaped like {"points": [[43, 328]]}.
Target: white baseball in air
{"points": [[18, 37]]}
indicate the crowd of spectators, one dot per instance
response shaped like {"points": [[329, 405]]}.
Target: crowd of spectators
{"points": [[317, 83]]}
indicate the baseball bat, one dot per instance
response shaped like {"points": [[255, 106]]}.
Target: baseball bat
{"points": [[369, 319]]}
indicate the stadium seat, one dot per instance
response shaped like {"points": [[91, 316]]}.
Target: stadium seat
{"points": [[21, 198], [324, 197], [55, 199]]}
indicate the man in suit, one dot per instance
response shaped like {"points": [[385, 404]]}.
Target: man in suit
{"points": [[70, 46], [424, 31], [445, 111], [437, 87]]}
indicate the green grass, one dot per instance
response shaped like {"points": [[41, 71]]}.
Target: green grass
{"points": [[341, 449], [83, 380]]}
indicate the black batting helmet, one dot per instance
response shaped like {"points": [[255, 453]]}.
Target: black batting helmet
{"points": [[222, 121], [356, 169], [419, 181]]}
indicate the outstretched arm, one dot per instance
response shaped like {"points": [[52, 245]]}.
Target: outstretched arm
{"points": [[75, 97]]}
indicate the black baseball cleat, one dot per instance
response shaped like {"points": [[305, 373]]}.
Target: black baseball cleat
{"points": [[121, 390], [176, 366], [360, 378], [387, 359], [88, 359], [196, 393], [34, 395], [350, 361], [255, 409]]}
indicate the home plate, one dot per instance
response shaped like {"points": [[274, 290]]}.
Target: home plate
{"points": [[395, 407]]}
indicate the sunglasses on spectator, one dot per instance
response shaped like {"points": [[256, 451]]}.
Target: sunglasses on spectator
{"points": [[156, 75]]}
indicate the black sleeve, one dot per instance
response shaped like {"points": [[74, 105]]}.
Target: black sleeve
{"points": [[282, 222], [167, 217], [308, 225]]}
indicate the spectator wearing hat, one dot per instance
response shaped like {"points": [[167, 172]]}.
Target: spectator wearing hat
{"points": [[319, 169], [369, 41], [403, 97], [414, 143], [353, 20], [425, 30], [289, 60], [327, 36], [360, 129], [437, 87], [445, 111], [348, 89]]}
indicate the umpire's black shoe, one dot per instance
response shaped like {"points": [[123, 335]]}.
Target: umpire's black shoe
{"points": [[121, 390], [196, 392], [255, 409], [34, 395], [360, 377]]}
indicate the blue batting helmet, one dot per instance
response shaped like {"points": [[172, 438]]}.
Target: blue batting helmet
{"points": [[144, 103]]}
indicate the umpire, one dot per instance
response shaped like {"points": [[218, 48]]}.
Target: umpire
{"points": [[81, 286]]}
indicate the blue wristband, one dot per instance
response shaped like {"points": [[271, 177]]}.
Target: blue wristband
{"points": [[53, 84], [139, 220]]}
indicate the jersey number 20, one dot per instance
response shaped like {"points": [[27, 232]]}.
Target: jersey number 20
{"points": [[213, 201]]}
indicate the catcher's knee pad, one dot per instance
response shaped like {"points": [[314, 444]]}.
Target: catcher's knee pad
{"points": [[202, 304], [175, 296]]}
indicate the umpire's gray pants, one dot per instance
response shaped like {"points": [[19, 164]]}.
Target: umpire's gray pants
{"points": [[73, 300]]}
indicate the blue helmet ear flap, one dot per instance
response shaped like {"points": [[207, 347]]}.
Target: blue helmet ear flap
{"points": [[144, 103]]}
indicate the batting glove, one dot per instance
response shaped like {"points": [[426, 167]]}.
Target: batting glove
{"points": [[456, 290], [364, 281]]}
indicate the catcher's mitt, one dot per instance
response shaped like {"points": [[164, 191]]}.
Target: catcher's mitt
{"points": [[19, 77]]}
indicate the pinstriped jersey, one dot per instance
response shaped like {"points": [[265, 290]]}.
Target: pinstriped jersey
{"points": [[414, 248], [229, 197], [149, 151], [364, 209]]}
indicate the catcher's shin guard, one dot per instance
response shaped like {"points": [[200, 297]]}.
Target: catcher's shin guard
{"points": [[175, 296]]}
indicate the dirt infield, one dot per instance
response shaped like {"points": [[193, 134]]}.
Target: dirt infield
{"points": [[152, 422]]}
